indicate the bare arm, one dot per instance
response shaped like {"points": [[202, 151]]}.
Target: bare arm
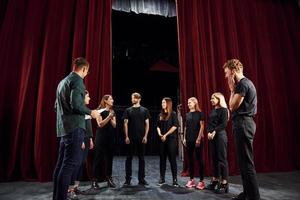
{"points": [[126, 128], [113, 122], [102, 122], [170, 131], [184, 136], [235, 101], [158, 131], [146, 128], [144, 141], [201, 135]]}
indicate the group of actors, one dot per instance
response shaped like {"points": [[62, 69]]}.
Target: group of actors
{"points": [[74, 128]]}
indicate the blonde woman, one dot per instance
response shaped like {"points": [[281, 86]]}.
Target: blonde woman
{"points": [[193, 140], [217, 137]]}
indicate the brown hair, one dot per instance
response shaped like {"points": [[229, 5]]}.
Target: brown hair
{"points": [[195, 100], [136, 95], [102, 103], [79, 63], [166, 115], [233, 64]]}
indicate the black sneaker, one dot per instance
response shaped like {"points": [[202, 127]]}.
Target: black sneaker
{"points": [[222, 188], [78, 191], [241, 196], [161, 182], [175, 184], [110, 183], [95, 185], [127, 183], [143, 182], [212, 185]]}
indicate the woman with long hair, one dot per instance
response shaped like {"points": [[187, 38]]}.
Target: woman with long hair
{"points": [[217, 137], [104, 142], [167, 131], [193, 140]]}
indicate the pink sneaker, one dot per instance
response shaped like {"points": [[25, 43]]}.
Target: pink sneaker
{"points": [[200, 185], [190, 184]]}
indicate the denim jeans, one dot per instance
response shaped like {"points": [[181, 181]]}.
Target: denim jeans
{"points": [[69, 158]]}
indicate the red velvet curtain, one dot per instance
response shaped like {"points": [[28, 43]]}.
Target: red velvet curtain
{"points": [[38, 41], [264, 35]]}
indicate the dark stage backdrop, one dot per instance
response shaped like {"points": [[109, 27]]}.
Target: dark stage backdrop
{"points": [[265, 36], [38, 40]]}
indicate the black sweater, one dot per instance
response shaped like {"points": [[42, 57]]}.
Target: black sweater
{"points": [[217, 120]]}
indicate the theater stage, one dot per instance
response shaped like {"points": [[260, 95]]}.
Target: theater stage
{"points": [[273, 186]]}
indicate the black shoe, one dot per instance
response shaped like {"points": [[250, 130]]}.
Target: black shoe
{"points": [[127, 182], [222, 188], [241, 196], [110, 182], [78, 191], [143, 182], [175, 184], [161, 182], [212, 185], [95, 185]]}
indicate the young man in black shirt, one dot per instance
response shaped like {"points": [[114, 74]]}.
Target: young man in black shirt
{"points": [[243, 104], [136, 128]]}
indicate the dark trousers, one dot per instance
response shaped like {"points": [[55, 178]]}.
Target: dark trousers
{"points": [[168, 149], [244, 131], [77, 174], [198, 152], [103, 160], [69, 158], [218, 148], [138, 147]]}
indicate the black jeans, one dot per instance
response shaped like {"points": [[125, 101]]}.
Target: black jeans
{"points": [[244, 131], [77, 174], [218, 148], [69, 158], [103, 160], [138, 147], [168, 149], [198, 151]]}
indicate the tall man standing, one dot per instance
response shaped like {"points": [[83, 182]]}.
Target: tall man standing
{"points": [[136, 128], [243, 104], [70, 125]]}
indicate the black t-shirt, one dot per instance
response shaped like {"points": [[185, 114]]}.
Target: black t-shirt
{"points": [[136, 121], [165, 125], [217, 120], [107, 130], [193, 125], [248, 107]]}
